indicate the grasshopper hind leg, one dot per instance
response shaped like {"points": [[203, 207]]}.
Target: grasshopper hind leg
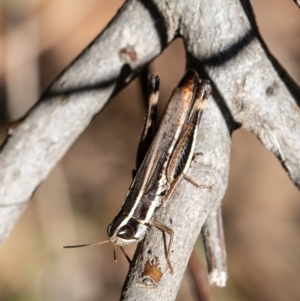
{"points": [[150, 125]]}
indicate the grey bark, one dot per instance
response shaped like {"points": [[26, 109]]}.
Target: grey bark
{"points": [[250, 91]]}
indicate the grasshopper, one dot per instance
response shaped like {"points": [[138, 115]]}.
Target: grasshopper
{"points": [[165, 163]]}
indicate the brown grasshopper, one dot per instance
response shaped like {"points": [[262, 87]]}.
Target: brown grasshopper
{"points": [[165, 163]]}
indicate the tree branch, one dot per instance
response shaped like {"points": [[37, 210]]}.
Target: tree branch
{"points": [[250, 90], [214, 243], [36, 143], [260, 96]]}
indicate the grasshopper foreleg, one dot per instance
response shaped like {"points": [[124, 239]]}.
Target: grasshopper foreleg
{"points": [[164, 229]]}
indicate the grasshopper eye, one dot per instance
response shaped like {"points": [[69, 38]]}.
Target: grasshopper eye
{"points": [[126, 232]]}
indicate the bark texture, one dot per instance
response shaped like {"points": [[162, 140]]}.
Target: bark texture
{"points": [[250, 91]]}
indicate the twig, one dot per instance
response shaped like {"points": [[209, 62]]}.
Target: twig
{"points": [[214, 243]]}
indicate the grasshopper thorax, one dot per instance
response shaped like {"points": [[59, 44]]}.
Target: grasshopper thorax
{"points": [[126, 231]]}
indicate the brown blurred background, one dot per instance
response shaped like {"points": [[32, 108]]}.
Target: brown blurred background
{"points": [[83, 193]]}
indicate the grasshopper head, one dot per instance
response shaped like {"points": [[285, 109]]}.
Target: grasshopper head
{"points": [[126, 231]]}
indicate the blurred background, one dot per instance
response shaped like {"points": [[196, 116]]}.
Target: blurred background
{"points": [[80, 197]]}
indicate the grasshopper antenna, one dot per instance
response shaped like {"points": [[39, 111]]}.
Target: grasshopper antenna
{"points": [[85, 245]]}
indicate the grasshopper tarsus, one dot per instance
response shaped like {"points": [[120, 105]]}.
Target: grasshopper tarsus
{"points": [[199, 154]]}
